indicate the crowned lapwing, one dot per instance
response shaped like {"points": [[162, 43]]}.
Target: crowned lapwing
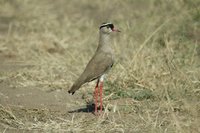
{"points": [[99, 65]]}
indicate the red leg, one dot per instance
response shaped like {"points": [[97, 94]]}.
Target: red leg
{"points": [[96, 97], [101, 99]]}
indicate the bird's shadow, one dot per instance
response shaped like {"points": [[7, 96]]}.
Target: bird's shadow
{"points": [[89, 108]]}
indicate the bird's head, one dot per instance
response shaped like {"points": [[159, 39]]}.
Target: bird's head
{"points": [[107, 28]]}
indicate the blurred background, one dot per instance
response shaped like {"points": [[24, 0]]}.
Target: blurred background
{"points": [[157, 52]]}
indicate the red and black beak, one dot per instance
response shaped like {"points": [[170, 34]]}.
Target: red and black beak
{"points": [[115, 30]]}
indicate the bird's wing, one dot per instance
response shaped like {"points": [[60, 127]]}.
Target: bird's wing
{"points": [[97, 66]]}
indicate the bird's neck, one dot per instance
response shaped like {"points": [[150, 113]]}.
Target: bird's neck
{"points": [[104, 43]]}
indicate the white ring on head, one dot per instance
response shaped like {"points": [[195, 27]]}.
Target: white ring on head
{"points": [[106, 24]]}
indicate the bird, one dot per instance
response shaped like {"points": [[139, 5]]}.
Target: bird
{"points": [[99, 65]]}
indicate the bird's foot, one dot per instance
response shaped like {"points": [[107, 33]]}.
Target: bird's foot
{"points": [[98, 113]]}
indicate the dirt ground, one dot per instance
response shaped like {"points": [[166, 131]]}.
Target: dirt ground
{"points": [[32, 104]]}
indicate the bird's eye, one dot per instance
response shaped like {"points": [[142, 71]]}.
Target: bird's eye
{"points": [[107, 27]]}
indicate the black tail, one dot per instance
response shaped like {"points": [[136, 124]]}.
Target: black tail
{"points": [[75, 86]]}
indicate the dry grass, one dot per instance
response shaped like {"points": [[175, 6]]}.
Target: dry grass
{"points": [[154, 85]]}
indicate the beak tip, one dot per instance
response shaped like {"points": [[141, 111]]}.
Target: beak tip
{"points": [[116, 30]]}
